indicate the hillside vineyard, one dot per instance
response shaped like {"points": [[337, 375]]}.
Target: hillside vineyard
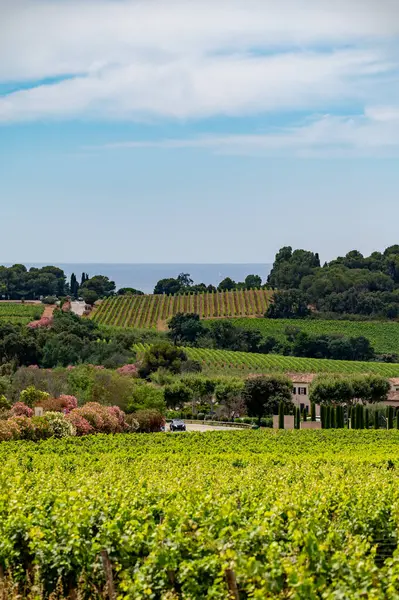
{"points": [[151, 311]]}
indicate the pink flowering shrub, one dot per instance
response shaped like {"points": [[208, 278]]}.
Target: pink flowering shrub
{"points": [[68, 402], [19, 409], [130, 369], [103, 419], [7, 431], [26, 427], [81, 425]]}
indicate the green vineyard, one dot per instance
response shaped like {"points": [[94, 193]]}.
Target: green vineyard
{"points": [[247, 515], [153, 311], [245, 362], [16, 312], [383, 335]]}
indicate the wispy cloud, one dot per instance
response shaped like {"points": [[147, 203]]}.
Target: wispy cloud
{"points": [[363, 135]]}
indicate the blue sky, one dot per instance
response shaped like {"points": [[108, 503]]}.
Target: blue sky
{"points": [[197, 131]]}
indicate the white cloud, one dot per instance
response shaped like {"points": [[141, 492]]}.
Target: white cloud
{"points": [[327, 135], [135, 59]]}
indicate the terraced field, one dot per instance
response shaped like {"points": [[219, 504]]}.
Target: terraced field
{"points": [[383, 335], [153, 311], [16, 312], [219, 361]]}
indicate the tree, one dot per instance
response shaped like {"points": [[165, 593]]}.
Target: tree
{"points": [[331, 389], [99, 284], [290, 268], [252, 281], [162, 355], [262, 394], [177, 394], [186, 328], [229, 393], [89, 296], [129, 291], [170, 287], [288, 304], [74, 286], [185, 280], [226, 285]]}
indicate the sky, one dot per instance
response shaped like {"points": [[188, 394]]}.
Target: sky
{"points": [[197, 130]]}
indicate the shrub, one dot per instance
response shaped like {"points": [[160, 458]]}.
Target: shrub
{"points": [[103, 419], [7, 431], [120, 416], [50, 300], [4, 403], [132, 423], [148, 420], [130, 369], [81, 425], [19, 409], [26, 427], [62, 404], [31, 396], [42, 428], [59, 426]]}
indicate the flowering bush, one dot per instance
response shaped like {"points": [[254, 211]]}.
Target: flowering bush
{"points": [[42, 428], [132, 423], [62, 404], [128, 370], [32, 396], [19, 409], [26, 427], [81, 425], [4, 403], [8, 431], [59, 425], [149, 420], [103, 419]]}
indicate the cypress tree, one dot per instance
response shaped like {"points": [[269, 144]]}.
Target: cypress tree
{"points": [[333, 420], [353, 418], [366, 418], [376, 419], [323, 416], [313, 412], [390, 417], [305, 415], [328, 417], [397, 419], [298, 418], [281, 415], [360, 417]]}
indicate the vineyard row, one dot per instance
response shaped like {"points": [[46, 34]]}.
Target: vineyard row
{"points": [[153, 311], [246, 362]]}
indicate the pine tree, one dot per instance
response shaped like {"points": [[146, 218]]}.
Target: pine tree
{"points": [[281, 415], [313, 412]]}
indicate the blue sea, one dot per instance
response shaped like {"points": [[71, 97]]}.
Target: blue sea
{"points": [[144, 276]]}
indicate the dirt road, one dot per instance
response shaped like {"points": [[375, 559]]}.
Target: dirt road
{"points": [[197, 427]]}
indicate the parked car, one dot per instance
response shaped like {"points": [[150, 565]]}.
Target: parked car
{"points": [[177, 425]]}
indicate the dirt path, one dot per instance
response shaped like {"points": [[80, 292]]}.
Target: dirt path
{"points": [[48, 310], [78, 307], [198, 427]]}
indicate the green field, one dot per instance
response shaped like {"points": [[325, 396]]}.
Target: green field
{"points": [[383, 335], [193, 516], [14, 312], [229, 362]]}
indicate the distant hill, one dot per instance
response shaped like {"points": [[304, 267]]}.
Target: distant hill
{"points": [[154, 311]]}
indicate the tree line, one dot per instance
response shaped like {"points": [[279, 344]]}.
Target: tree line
{"points": [[183, 284], [349, 285], [189, 330]]}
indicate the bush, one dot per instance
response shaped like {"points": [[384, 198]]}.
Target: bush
{"points": [[81, 425], [50, 300], [146, 396], [19, 409], [148, 420], [31, 396], [26, 427], [4, 403], [59, 426], [8, 431], [103, 419], [130, 369], [201, 416], [63, 404], [42, 428], [132, 423]]}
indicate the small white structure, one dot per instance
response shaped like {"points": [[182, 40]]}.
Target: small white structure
{"points": [[38, 411]]}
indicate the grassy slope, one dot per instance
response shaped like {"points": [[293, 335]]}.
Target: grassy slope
{"points": [[383, 335]]}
